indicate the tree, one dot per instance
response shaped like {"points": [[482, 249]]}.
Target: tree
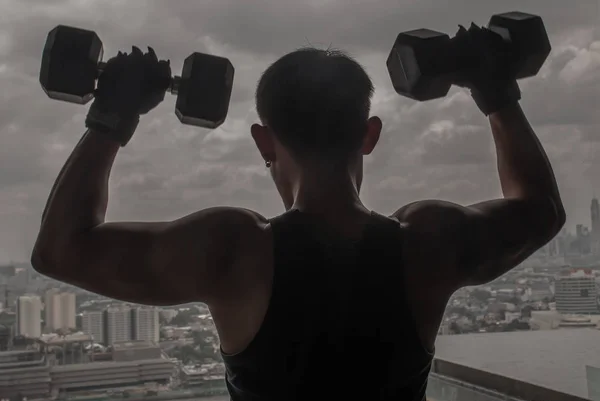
{"points": [[455, 328], [517, 325], [459, 310], [183, 318], [514, 300], [187, 354], [481, 295], [526, 311]]}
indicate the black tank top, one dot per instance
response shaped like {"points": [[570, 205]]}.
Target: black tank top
{"points": [[338, 326]]}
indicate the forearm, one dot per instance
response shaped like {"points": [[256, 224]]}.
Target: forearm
{"points": [[523, 166], [79, 197]]}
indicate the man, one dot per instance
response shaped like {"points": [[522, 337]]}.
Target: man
{"points": [[329, 300]]}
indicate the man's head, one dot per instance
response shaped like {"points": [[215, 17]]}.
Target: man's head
{"points": [[314, 107]]}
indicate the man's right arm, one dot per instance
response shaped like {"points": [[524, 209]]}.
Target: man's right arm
{"points": [[478, 243]]}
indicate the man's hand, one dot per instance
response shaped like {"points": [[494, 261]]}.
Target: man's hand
{"points": [[130, 85], [491, 78]]}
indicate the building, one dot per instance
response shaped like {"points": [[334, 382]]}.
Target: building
{"points": [[595, 234], [29, 316], [5, 337], [117, 320], [30, 374], [67, 349], [25, 373], [145, 324], [122, 323], [60, 310], [539, 291], [576, 292], [101, 376], [93, 325], [7, 270], [208, 375]]}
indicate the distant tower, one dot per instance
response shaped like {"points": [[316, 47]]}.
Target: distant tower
{"points": [[60, 310], [93, 324], [29, 316], [145, 324], [595, 214]]}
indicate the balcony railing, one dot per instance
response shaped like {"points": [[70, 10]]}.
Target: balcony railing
{"points": [[450, 381]]}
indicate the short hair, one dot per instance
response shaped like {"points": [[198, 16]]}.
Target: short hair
{"points": [[317, 102]]}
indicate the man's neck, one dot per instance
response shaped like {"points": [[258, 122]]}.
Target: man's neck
{"points": [[327, 193]]}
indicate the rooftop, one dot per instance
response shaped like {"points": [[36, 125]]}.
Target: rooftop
{"points": [[134, 344], [55, 339], [107, 365], [555, 359]]}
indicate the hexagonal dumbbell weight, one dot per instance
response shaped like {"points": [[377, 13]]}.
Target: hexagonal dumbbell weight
{"points": [[423, 64], [72, 62]]}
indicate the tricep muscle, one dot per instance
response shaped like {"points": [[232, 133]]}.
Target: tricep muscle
{"points": [[475, 244], [165, 263]]}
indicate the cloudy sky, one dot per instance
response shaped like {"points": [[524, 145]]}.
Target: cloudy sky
{"points": [[438, 149]]}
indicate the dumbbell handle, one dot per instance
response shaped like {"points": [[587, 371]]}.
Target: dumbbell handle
{"points": [[450, 61], [173, 86]]}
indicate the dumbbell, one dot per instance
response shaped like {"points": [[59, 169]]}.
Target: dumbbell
{"points": [[423, 64], [72, 62]]}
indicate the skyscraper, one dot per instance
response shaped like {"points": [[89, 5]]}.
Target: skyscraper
{"points": [[576, 292], [122, 323], [118, 324], [595, 214], [29, 316], [145, 324], [60, 310], [93, 324]]}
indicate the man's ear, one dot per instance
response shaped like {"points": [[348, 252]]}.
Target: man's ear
{"points": [[374, 126], [263, 138]]}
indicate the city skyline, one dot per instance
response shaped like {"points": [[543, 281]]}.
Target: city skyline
{"points": [[542, 299], [438, 149], [535, 330]]}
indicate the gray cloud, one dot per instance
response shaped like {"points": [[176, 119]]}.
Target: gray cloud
{"points": [[440, 148]]}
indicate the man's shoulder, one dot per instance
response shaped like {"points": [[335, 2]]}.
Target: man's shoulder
{"points": [[250, 225], [242, 231], [245, 241], [431, 216], [433, 240], [239, 219]]}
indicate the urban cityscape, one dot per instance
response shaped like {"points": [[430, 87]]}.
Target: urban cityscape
{"points": [[60, 342]]}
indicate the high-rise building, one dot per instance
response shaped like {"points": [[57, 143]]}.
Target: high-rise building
{"points": [[51, 310], [576, 292], [5, 337], [117, 324], [122, 323], [145, 324], [595, 215], [60, 310], [93, 324], [29, 316]]}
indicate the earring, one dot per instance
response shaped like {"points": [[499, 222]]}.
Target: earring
{"points": [[268, 163]]}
